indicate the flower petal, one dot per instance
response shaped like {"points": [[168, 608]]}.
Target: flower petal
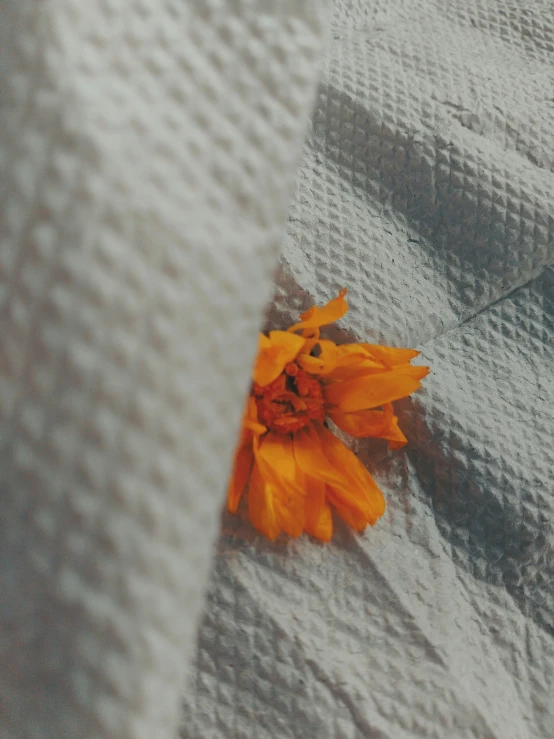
{"points": [[241, 472], [390, 356], [395, 436], [261, 497], [339, 362], [373, 503], [277, 464], [316, 317], [378, 424], [324, 363], [276, 351], [352, 516], [364, 423], [319, 521], [250, 424], [321, 455], [371, 391], [354, 360]]}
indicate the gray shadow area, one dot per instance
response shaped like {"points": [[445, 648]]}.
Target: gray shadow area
{"points": [[496, 530], [457, 195]]}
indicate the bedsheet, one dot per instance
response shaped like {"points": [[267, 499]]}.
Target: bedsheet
{"points": [[427, 189]]}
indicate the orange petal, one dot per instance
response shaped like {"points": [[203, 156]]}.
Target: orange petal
{"points": [[319, 521], [277, 464], [261, 497], [254, 427], [276, 351], [310, 343], [250, 424], [395, 436], [354, 360], [324, 457], [390, 356], [241, 472], [378, 424], [316, 317], [370, 391], [352, 516], [338, 362], [373, 502], [365, 423], [354, 350], [324, 363]]}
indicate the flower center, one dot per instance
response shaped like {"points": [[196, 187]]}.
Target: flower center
{"points": [[290, 402]]}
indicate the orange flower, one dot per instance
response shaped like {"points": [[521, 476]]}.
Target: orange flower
{"points": [[294, 468]]}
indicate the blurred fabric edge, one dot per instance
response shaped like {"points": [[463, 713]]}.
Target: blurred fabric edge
{"points": [[148, 151]]}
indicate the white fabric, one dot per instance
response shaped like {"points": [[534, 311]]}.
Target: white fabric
{"points": [[148, 149], [427, 189]]}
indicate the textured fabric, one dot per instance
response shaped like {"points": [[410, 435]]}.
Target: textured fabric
{"points": [[148, 150], [426, 189]]}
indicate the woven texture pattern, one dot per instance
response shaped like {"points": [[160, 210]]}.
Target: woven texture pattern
{"points": [[427, 188], [149, 150]]}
